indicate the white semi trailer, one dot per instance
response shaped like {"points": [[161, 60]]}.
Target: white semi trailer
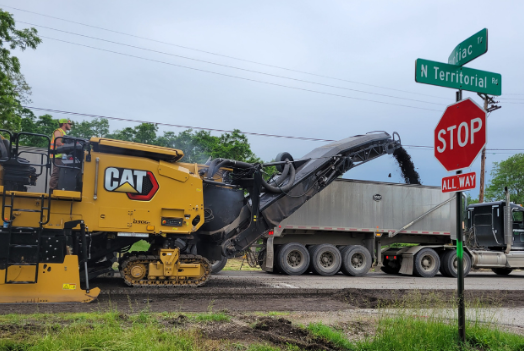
{"points": [[353, 224]]}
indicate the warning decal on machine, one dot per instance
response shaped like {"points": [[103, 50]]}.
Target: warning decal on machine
{"points": [[69, 287]]}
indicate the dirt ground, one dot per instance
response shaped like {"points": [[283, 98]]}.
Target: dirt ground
{"points": [[251, 300]]}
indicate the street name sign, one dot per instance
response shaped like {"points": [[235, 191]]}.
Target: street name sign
{"points": [[457, 77], [470, 49], [460, 135], [459, 182]]}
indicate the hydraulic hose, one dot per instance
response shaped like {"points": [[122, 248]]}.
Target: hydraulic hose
{"points": [[217, 163], [278, 188], [284, 174]]}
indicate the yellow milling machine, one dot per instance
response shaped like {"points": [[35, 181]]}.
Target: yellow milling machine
{"points": [[112, 194]]}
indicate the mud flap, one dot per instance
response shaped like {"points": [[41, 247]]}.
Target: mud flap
{"points": [[407, 264], [270, 253], [57, 283]]}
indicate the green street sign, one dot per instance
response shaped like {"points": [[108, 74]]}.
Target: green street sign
{"points": [[457, 77], [470, 49]]}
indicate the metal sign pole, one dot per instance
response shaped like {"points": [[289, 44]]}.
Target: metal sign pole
{"points": [[460, 262]]}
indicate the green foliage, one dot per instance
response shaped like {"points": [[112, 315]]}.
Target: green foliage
{"points": [[197, 146], [472, 200], [411, 333], [144, 133], [213, 317], [200, 145], [99, 127], [43, 125], [336, 337], [140, 246], [508, 173], [14, 91]]}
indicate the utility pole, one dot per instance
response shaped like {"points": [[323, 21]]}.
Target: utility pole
{"points": [[487, 100]]}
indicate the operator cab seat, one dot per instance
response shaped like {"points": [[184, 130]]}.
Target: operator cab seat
{"points": [[70, 176], [18, 172]]}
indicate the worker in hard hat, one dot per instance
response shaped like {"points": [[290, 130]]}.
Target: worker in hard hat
{"points": [[65, 126]]}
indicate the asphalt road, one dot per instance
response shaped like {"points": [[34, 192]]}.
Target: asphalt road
{"points": [[474, 281]]}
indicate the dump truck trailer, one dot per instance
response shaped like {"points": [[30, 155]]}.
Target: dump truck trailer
{"points": [[406, 229]]}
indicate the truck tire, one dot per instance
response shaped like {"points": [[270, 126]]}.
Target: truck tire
{"points": [[502, 271], [356, 260], [448, 264], [293, 259], [426, 263], [325, 259], [217, 266]]}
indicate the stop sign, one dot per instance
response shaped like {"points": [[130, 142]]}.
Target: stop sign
{"points": [[460, 135]]}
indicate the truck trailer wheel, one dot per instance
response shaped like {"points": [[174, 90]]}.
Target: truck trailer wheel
{"points": [[293, 259], [448, 264], [217, 266], [426, 263], [356, 260], [502, 271], [325, 259]]}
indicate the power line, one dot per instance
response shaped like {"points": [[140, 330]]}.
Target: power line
{"points": [[431, 147], [171, 125], [229, 66], [221, 55], [214, 129], [238, 77]]}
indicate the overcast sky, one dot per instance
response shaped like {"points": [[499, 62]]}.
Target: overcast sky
{"points": [[369, 46]]}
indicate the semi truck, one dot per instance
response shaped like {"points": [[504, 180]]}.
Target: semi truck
{"points": [[400, 228]]}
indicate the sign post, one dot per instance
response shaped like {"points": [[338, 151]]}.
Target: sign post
{"points": [[460, 135], [460, 259]]}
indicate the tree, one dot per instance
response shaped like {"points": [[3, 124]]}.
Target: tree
{"points": [[43, 125], [471, 200], [144, 133], [508, 173], [99, 127], [195, 145], [199, 146], [14, 91]]}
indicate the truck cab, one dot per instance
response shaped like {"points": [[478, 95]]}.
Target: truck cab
{"points": [[494, 226]]}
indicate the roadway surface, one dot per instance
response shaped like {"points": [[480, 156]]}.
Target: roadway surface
{"points": [[373, 280], [243, 291]]}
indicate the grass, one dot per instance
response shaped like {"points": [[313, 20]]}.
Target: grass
{"points": [[410, 328], [212, 317], [336, 337], [235, 264], [409, 333]]}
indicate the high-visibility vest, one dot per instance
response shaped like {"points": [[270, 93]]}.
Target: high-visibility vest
{"points": [[53, 142]]}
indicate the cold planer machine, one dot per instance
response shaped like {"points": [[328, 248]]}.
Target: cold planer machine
{"points": [[112, 194]]}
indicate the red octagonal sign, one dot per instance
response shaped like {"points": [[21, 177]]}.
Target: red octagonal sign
{"points": [[460, 135]]}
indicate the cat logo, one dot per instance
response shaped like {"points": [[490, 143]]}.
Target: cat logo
{"points": [[137, 184]]}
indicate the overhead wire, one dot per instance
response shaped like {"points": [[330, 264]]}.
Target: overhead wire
{"points": [[228, 56], [239, 77], [232, 67], [219, 55], [213, 129]]}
